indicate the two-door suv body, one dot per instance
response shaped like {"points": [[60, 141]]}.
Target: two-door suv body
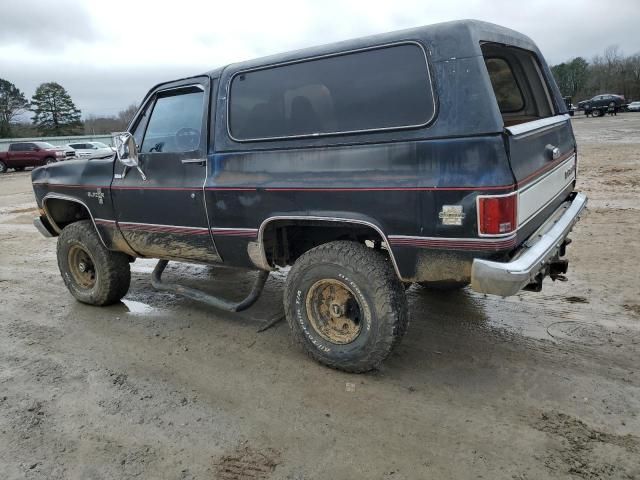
{"points": [[440, 155]]}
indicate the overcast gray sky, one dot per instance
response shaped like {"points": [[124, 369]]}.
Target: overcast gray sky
{"points": [[108, 53]]}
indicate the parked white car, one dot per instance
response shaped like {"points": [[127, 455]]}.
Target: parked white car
{"points": [[634, 107], [92, 150]]}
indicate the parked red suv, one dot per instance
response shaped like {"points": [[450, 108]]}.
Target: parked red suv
{"points": [[31, 154]]}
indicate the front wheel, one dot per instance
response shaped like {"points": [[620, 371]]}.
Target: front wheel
{"points": [[50, 160], [92, 273], [595, 112], [345, 305]]}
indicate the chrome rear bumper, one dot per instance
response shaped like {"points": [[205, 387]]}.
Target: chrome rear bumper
{"points": [[508, 278]]}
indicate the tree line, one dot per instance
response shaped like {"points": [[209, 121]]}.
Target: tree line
{"points": [[54, 114], [611, 72]]}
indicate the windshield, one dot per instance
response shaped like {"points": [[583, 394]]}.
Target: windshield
{"points": [[44, 145], [100, 144]]}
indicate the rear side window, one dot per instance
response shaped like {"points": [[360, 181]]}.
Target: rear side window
{"points": [[505, 86], [519, 86], [382, 88], [22, 147]]}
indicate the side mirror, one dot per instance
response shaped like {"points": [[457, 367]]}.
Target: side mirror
{"points": [[126, 149], [127, 152]]}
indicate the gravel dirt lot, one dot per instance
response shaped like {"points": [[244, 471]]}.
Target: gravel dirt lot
{"points": [[541, 385]]}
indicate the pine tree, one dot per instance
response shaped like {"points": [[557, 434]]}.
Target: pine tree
{"points": [[55, 112], [12, 104]]}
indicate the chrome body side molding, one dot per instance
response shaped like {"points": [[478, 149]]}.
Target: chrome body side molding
{"points": [[529, 127]]}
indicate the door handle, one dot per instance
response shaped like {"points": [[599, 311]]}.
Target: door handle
{"points": [[553, 152], [193, 161]]}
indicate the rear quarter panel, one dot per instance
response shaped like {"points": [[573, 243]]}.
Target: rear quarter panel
{"points": [[397, 180], [399, 187]]}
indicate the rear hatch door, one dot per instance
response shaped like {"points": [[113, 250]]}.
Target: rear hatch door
{"points": [[539, 140], [543, 159]]}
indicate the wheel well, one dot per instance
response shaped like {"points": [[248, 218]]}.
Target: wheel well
{"points": [[63, 212], [284, 241]]}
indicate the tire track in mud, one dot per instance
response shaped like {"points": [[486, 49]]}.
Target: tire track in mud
{"points": [[582, 447], [247, 463]]}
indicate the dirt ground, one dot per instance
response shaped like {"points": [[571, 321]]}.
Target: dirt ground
{"points": [[541, 385]]}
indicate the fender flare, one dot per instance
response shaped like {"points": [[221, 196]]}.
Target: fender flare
{"points": [[258, 247], [60, 196]]}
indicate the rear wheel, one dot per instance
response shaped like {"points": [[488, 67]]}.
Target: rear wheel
{"points": [[92, 273], [345, 305], [3, 167]]}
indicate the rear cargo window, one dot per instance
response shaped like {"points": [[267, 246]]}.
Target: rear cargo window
{"points": [[504, 85], [382, 88], [519, 86]]}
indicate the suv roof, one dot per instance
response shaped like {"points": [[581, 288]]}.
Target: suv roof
{"points": [[469, 34]]}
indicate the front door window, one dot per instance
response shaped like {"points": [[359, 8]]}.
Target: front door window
{"points": [[175, 123]]}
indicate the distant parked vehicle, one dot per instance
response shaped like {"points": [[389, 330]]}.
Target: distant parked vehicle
{"points": [[634, 107], [32, 154], [92, 150], [600, 104]]}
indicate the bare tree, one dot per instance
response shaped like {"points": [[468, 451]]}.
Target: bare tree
{"points": [[12, 104], [125, 116], [610, 72]]}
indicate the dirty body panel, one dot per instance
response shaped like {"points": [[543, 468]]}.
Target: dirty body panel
{"points": [[414, 187], [400, 187]]}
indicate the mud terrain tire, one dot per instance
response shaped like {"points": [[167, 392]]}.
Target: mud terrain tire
{"points": [[365, 277], [92, 273]]}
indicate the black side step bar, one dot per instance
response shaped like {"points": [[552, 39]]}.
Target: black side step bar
{"points": [[201, 296]]}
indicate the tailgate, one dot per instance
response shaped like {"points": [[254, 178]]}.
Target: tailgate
{"points": [[543, 159]]}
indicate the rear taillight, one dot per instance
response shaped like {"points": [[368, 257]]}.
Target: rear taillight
{"points": [[498, 215]]}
